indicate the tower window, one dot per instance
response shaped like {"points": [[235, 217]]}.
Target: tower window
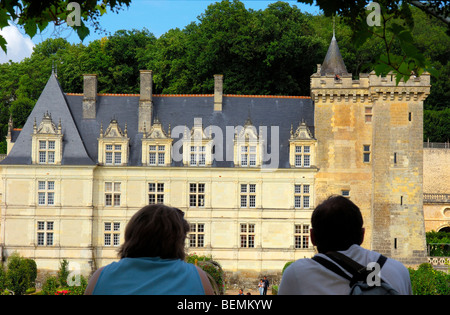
{"points": [[366, 153], [368, 114]]}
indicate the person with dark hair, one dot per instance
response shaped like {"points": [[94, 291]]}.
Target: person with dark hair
{"points": [[337, 226], [152, 258]]}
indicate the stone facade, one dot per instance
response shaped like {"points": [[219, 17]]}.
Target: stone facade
{"points": [[436, 188]]}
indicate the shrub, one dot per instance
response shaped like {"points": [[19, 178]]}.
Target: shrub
{"points": [[212, 268], [63, 272], [50, 286], [20, 274], [57, 285], [428, 281]]}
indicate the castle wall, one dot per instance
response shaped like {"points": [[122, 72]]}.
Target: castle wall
{"points": [[436, 188]]}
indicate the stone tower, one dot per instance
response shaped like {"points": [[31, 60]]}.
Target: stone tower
{"points": [[370, 134]]}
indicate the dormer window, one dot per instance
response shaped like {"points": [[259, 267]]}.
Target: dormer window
{"points": [[113, 145], [113, 154], [302, 147], [198, 155], [46, 151], [156, 145], [46, 142], [197, 146], [247, 146]]}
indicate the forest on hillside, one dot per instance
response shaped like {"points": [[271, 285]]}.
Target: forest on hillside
{"points": [[271, 51]]}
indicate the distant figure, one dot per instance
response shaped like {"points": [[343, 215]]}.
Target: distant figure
{"points": [[152, 258], [266, 285], [261, 287], [241, 292], [337, 225], [337, 77]]}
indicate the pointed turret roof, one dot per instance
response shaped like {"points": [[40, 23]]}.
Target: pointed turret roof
{"points": [[333, 63], [53, 102]]}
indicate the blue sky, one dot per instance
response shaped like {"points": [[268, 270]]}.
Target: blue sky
{"points": [[158, 16]]}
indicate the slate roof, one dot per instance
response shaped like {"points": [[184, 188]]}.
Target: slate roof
{"points": [[80, 135], [53, 101], [333, 62]]}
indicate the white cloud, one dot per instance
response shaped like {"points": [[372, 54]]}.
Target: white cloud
{"points": [[19, 46]]}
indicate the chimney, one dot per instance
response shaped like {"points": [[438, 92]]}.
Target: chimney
{"points": [[89, 96], [146, 100], [218, 92]]}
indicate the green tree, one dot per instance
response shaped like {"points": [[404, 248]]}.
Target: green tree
{"points": [[20, 274], [34, 15], [436, 125], [63, 272]]}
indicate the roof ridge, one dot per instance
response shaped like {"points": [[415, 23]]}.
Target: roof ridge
{"points": [[200, 95]]}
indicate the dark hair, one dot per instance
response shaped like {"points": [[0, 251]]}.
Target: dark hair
{"points": [[337, 224], [155, 231]]}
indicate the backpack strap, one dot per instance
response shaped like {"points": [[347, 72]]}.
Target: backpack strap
{"points": [[332, 266], [358, 271]]}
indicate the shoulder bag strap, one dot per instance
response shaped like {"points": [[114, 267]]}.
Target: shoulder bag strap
{"points": [[330, 265]]}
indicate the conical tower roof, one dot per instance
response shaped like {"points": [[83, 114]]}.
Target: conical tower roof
{"points": [[333, 63]]}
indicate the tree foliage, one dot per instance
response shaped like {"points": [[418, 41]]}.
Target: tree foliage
{"points": [[19, 276], [391, 21], [37, 15], [271, 51]]}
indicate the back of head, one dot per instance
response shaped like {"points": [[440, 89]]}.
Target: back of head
{"points": [[155, 231], [337, 224]]}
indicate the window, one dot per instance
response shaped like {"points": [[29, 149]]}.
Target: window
{"points": [[156, 155], [248, 155], [248, 195], [155, 193], [368, 114], [113, 154], [302, 153], [197, 155], [111, 234], [366, 153], [46, 152], [196, 195], [112, 193], [345, 193], [247, 234], [197, 235], [302, 196], [46, 193], [45, 233], [301, 236]]}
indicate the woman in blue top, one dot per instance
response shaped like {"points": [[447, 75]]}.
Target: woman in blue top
{"points": [[152, 258]]}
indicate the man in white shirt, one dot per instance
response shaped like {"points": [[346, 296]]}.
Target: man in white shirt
{"points": [[337, 225]]}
